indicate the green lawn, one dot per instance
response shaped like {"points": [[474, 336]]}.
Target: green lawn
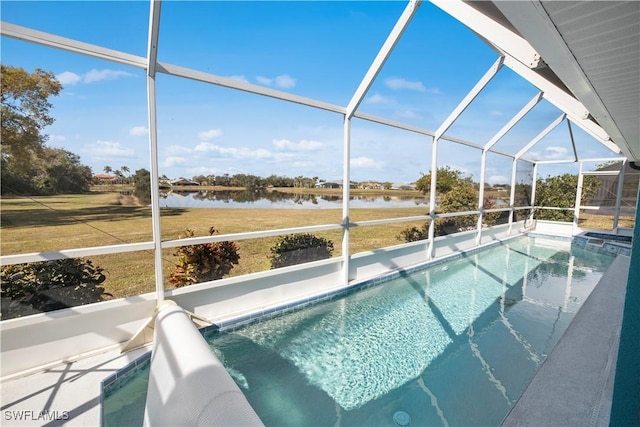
{"points": [[97, 219]]}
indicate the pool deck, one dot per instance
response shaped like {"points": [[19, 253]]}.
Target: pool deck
{"points": [[65, 394], [574, 386]]}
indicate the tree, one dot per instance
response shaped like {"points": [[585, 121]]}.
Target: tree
{"points": [[107, 169], [560, 191], [142, 182], [446, 180], [460, 199], [47, 171], [119, 175], [25, 110], [125, 170]]}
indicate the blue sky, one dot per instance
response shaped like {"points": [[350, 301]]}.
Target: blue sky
{"points": [[315, 49]]}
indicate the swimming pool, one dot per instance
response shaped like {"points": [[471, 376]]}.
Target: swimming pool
{"points": [[453, 344]]}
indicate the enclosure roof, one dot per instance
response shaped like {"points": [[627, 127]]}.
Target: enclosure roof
{"points": [[593, 47]]}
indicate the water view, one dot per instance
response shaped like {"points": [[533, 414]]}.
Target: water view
{"points": [[265, 199]]}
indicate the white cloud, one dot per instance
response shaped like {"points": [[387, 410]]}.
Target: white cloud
{"points": [[68, 78], [240, 77], [92, 76], [238, 153], [108, 149], [550, 153], [208, 135], [178, 149], [264, 80], [304, 164], [397, 83], [303, 145], [408, 114], [173, 161], [138, 131], [284, 81], [376, 98], [365, 162], [205, 146]]}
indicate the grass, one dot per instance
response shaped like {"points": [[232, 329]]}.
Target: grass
{"points": [[97, 219]]}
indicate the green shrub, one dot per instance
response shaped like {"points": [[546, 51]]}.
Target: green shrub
{"points": [[204, 262], [413, 234], [51, 285], [299, 248]]}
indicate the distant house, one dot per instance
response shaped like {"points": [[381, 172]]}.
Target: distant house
{"points": [[371, 185], [183, 182], [402, 186], [104, 178], [329, 184]]}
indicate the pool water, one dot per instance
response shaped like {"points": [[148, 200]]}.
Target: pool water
{"points": [[453, 344]]}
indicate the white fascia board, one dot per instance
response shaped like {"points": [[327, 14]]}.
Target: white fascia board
{"points": [[506, 128], [473, 93], [532, 20], [382, 56], [188, 73], [541, 135], [50, 40], [490, 30]]}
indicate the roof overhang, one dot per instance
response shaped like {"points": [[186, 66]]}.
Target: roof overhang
{"points": [[593, 47]]}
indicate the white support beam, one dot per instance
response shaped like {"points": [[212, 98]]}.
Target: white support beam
{"points": [[492, 31], [506, 128], [392, 123], [471, 95], [74, 253], [573, 141], [152, 56], [200, 76], [616, 217], [576, 210], [431, 251], [574, 109], [512, 193], [483, 171], [346, 189], [534, 176], [45, 39], [541, 135], [382, 56]]}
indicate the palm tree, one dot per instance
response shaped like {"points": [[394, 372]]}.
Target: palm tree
{"points": [[119, 175], [108, 169], [125, 170]]}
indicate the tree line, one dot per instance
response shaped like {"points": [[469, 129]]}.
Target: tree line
{"points": [[27, 165]]}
